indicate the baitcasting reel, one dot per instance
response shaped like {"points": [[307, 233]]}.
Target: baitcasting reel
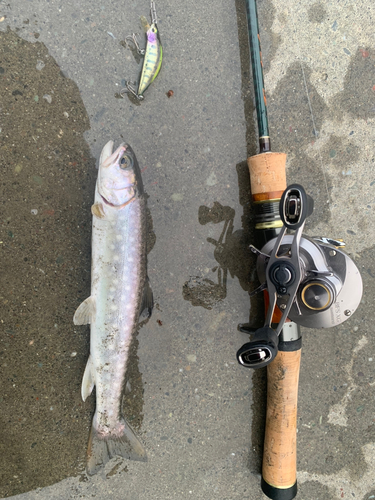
{"points": [[310, 280]]}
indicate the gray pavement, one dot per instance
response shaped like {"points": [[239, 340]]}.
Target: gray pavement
{"points": [[198, 412]]}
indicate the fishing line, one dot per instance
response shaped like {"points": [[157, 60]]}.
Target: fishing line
{"points": [[316, 133]]}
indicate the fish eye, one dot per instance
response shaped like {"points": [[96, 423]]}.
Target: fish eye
{"points": [[126, 161]]}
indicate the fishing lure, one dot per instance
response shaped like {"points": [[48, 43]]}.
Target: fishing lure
{"points": [[153, 55]]}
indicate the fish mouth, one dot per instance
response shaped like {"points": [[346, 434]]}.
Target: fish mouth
{"points": [[109, 157]]}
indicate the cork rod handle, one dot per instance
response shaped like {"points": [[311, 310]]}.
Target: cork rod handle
{"points": [[279, 474]]}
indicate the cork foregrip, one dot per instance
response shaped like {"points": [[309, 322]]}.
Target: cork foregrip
{"points": [[280, 450], [267, 175]]}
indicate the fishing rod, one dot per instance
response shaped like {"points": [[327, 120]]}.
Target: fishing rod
{"points": [[306, 282]]}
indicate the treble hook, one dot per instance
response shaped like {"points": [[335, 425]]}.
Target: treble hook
{"points": [[133, 38], [128, 89]]}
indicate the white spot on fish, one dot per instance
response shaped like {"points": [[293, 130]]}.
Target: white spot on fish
{"points": [[116, 257], [114, 307], [119, 237], [130, 259], [112, 289], [115, 281], [112, 246]]}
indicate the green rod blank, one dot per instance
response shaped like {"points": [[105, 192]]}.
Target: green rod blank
{"points": [[258, 80]]}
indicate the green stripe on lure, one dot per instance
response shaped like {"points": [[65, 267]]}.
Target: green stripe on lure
{"points": [[153, 55]]}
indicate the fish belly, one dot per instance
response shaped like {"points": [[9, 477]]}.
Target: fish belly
{"points": [[118, 279]]}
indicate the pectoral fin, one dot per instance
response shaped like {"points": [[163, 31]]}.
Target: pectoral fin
{"points": [[147, 302], [85, 312], [98, 210]]}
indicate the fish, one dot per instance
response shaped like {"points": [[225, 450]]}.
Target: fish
{"points": [[120, 298]]}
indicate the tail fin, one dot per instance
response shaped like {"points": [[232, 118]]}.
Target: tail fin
{"points": [[123, 443]]}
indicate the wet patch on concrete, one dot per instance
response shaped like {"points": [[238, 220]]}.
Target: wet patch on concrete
{"points": [[313, 489], [340, 152], [317, 13], [293, 129], [230, 248], [47, 185], [48, 178], [289, 125], [231, 251], [358, 95], [269, 40]]}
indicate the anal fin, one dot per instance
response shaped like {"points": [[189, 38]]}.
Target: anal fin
{"points": [[88, 381]]}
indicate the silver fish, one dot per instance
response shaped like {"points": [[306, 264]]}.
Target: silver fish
{"points": [[120, 294]]}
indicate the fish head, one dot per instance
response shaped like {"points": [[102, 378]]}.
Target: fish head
{"points": [[119, 177]]}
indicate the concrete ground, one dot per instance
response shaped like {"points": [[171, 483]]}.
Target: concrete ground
{"points": [[200, 415]]}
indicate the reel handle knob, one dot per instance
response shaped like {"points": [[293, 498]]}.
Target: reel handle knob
{"points": [[295, 206], [261, 350]]}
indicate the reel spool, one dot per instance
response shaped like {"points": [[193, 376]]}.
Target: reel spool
{"points": [[311, 280], [331, 286]]}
